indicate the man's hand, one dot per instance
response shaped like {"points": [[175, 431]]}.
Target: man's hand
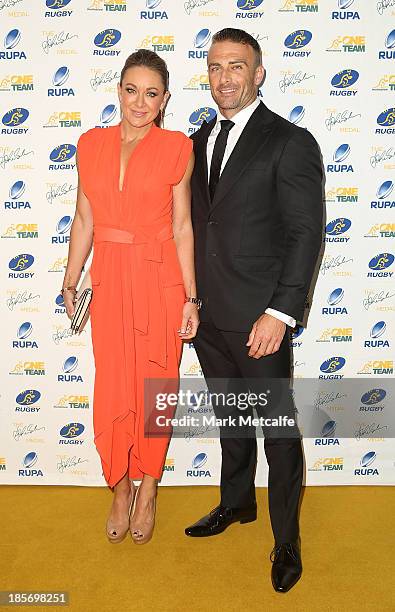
{"points": [[266, 336]]}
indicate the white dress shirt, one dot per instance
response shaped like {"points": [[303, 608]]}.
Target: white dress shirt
{"points": [[239, 120]]}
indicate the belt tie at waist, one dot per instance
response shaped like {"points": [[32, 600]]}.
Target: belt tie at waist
{"points": [[149, 305]]}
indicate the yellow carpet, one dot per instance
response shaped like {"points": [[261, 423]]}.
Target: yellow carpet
{"points": [[53, 538]]}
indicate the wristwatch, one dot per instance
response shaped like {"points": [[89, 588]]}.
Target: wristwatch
{"points": [[194, 300]]}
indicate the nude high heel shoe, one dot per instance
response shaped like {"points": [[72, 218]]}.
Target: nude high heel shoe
{"points": [[116, 532], [142, 532]]}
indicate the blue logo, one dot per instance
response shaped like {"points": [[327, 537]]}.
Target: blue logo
{"points": [[338, 226], [59, 301], [205, 113], [60, 76], [107, 38], [30, 459], [20, 263], [70, 364], [333, 364], [299, 330], [387, 117], [72, 430], [199, 461], [390, 40], [378, 329], [368, 459], [108, 113], [24, 330], [28, 397], [151, 4], [385, 189], [381, 261], [343, 4], [336, 296], [328, 429], [64, 224], [202, 38], [341, 153], [374, 396], [12, 39], [62, 153], [296, 115], [57, 4], [248, 5], [15, 117], [298, 39], [344, 78], [17, 190]]}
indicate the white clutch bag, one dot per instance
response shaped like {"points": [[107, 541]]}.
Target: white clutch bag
{"points": [[83, 299]]}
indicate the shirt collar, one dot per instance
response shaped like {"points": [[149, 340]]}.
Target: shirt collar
{"points": [[240, 118]]}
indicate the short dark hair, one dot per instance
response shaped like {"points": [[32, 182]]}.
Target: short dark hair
{"points": [[239, 36]]}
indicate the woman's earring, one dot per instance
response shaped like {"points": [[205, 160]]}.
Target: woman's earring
{"points": [[161, 116]]}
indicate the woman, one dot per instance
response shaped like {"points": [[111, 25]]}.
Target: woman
{"points": [[134, 201]]}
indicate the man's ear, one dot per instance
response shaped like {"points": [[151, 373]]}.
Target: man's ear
{"points": [[260, 74]]}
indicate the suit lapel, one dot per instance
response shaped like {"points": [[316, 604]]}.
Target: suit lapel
{"points": [[251, 140]]}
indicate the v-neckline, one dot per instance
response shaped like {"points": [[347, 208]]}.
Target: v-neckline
{"points": [[119, 155]]}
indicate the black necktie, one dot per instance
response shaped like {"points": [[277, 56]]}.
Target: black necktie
{"points": [[218, 154]]}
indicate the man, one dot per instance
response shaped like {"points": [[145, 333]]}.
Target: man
{"points": [[257, 217]]}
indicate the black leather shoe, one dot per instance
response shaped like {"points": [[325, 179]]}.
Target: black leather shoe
{"points": [[287, 566], [219, 519]]}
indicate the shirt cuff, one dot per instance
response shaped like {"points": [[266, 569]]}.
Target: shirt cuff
{"points": [[280, 315]]}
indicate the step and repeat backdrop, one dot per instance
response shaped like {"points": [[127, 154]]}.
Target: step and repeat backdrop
{"points": [[331, 69]]}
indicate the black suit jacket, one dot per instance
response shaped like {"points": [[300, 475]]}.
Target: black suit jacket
{"points": [[257, 243]]}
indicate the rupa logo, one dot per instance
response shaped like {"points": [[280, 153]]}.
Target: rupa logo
{"points": [[150, 13], [56, 8], [12, 40], [107, 115], [383, 192], [59, 305], [70, 364], [200, 44], [378, 265], [105, 40], [331, 366], [342, 194], [15, 194], [386, 121], [62, 230], [197, 464], [28, 470], [299, 6], [372, 399], [60, 77], [341, 153], [296, 115], [23, 333], [375, 340], [335, 229], [295, 42], [389, 52], [341, 82], [365, 463], [248, 10], [348, 44], [343, 12], [327, 438], [334, 298]]}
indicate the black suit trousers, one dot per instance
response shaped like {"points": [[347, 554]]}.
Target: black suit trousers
{"points": [[223, 356]]}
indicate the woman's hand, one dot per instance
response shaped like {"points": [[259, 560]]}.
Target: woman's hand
{"points": [[190, 321], [69, 301]]}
